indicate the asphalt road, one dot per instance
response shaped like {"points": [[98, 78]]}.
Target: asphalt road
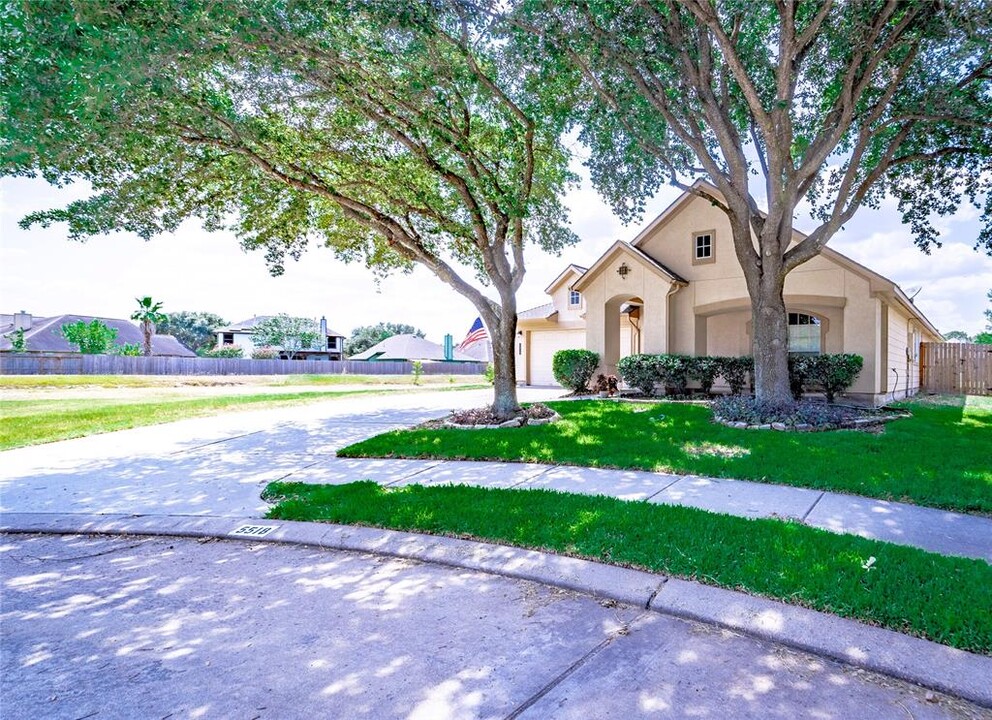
{"points": [[175, 628]]}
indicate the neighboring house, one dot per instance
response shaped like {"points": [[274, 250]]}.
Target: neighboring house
{"points": [[411, 347], [240, 334], [44, 334], [678, 288]]}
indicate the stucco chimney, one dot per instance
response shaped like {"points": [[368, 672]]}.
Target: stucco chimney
{"points": [[22, 321], [323, 327]]}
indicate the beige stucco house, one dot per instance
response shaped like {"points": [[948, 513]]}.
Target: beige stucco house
{"points": [[678, 288]]}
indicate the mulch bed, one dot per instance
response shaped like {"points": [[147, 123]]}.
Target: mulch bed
{"points": [[484, 418]]}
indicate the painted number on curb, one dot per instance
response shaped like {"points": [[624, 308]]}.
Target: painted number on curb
{"points": [[253, 530]]}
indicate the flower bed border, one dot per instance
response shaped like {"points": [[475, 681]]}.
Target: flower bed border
{"points": [[856, 424]]}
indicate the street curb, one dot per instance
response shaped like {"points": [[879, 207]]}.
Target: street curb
{"points": [[921, 662]]}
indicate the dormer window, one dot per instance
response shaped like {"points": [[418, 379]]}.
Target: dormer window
{"points": [[703, 247], [574, 298]]}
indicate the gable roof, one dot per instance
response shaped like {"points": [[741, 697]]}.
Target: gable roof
{"points": [[409, 347], [621, 247], [880, 283], [45, 335], [674, 209], [572, 269]]}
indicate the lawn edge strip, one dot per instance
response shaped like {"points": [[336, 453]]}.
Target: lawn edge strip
{"points": [[922, 662]]}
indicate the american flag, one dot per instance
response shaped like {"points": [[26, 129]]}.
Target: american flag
{"points": [[476, 333]]}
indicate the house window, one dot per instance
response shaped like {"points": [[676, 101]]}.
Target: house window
{"points": [[804, 333], [703, 247], [228, 339], [574, 297]]}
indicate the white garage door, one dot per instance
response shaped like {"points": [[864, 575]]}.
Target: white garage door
{"points": [[543, 345]]}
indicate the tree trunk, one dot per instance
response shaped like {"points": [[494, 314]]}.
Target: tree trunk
{"points": [[146, 328], [770, 332], [502, 325]]}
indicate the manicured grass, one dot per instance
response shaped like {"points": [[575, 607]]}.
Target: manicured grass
{"points": [[909, 590], [31, 422], [941, 456]]}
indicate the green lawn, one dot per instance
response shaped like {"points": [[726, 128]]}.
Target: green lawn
{"points": [[31, 422], [941, 456], [25, 382], [941, 598]]}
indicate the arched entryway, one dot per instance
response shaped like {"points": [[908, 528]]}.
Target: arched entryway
{"points": [[623, 319]]}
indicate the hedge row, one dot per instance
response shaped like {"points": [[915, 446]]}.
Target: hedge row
{"points": [[831, 373]]}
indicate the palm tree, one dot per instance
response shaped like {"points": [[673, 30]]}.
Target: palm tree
{"points": [[148, 313]]}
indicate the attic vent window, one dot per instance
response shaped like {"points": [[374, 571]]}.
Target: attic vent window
{"points": [[703, 247]]}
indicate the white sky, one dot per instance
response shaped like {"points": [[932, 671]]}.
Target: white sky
{"points": [[43, 273]]}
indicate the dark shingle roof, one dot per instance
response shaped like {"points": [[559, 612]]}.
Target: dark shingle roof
{"points": [[45, 335]]}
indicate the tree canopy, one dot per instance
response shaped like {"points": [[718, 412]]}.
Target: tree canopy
{"points": [[289, 334], [90, 338], [195, 330], [394, 133], [365, 336], [834, 104]]}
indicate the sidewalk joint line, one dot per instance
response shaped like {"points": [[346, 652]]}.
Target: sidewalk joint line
{"points": [[535, 476], [654, 593], [414, 473], [564, 675], [216, 442], [291, 472], [815, 503], [661, 490]]}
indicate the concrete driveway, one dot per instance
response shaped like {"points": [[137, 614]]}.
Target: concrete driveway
{"points": [[175, 628], [213, 465]]}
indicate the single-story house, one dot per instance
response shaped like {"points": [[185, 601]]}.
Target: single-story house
{"points": [[44, 334], [678, 287], [329, 346], [408, 347]]}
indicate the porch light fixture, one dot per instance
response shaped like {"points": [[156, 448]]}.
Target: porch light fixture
{"points": [[623, 271]]}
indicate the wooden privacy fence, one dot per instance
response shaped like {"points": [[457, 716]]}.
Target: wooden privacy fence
{"points": [[956, 368], [76, 364]]}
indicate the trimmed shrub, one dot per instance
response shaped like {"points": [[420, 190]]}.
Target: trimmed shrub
{"points": [[836, 373], [736, 371], [704, 370], [574, 368], [674, 372], [265, 352], [225, 351], [639, 371]]}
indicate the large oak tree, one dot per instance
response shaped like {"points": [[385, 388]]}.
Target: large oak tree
{"points": [[398, 133], [776, 103]]}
